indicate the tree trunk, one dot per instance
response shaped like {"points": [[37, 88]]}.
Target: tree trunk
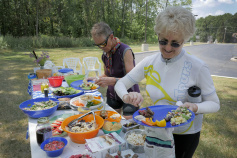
{"points": [[123, 18], [50, 18], [37, 18], [103, 10], [3, 11], [113, 23], [146, 22]]}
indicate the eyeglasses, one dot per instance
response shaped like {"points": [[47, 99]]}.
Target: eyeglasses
{"points": [[173, 44], [104, 44]]}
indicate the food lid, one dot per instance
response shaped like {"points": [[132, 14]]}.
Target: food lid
{"points": [[43, 120], [194, 91], [83, 109], [65, 70], [31, 76]]}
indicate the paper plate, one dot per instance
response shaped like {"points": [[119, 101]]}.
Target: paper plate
{"points": [[160, 113], [51, 120], [110, 113], [76, 85]]}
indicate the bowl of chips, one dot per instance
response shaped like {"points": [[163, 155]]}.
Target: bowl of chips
{"points": [[110, 127]]}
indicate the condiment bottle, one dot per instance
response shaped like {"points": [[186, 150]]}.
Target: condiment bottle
{"points": [[194, 95], [46, 83], [42, 87], [43, 130], [46, 92]]}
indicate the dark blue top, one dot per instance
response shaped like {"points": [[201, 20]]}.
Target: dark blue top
{"points": [[118, 69]]}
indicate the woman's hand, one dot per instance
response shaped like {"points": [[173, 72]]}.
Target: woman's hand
{"points": [[133, 98], [105, 81], [193, 107], [91, 78]]}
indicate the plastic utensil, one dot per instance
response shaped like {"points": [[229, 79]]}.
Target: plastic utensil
{"points": [[76, 120]]}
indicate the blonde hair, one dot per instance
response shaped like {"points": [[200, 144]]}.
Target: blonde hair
{"points": [[175, 20], [101, 29]]}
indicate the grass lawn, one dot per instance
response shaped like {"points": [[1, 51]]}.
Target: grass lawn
{"points": [[218, 136]]}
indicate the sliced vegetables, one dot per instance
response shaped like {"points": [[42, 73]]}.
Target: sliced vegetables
{"points": [[88, 86], [62, 91]]}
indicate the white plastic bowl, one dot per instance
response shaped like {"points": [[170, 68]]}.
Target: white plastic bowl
{"points": [[73, 106]]}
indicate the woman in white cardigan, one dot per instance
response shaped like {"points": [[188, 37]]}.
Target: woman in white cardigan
{"points": [[169, 74]]}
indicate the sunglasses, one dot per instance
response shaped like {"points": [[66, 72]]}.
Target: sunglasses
{"points": [[104, 44], [173, 44]]}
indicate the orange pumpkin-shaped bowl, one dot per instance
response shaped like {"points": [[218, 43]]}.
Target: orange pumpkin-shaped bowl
{"points": [[79, 138]]}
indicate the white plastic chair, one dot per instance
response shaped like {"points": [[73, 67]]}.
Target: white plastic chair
{"points": [[90, 64], [72, 63]]}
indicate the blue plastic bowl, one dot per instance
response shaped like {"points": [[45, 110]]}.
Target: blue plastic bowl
{"points": [[54, 153], [38, 113]]}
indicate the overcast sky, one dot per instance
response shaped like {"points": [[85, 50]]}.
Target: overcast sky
{"points": [[203, 8]]}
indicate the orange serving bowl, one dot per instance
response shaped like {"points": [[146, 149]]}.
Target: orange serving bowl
{"points": [[80, 137]]}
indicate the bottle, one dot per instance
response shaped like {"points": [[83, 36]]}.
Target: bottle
{"points": [[43, 130], [194, 95], [42, 87], [46, 92], [46, 83]]}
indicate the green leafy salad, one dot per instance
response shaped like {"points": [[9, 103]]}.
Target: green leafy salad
{"points": [[62, 91], [41, 105]]}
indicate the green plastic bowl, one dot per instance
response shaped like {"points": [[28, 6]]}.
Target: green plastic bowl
{"points": [[107, 132], [71, 78]]}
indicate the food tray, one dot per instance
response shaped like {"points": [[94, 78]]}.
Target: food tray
{"points": [[51, 120], [125, 129]]}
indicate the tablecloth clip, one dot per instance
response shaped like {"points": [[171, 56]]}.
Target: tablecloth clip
{"points": [[27, 133]]}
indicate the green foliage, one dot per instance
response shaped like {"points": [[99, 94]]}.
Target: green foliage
{"points": [[219, 27], [43, 41], [75, 18], [218, 136]]}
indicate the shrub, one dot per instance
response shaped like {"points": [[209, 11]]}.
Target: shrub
{"points": [[44, 41]]}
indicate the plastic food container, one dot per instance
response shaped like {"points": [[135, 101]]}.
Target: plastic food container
{"points": [[80, 138], [71, 78], [38, 113], [56, 81], [54, 153], [125, 129], [107, 132], [135, 148]]}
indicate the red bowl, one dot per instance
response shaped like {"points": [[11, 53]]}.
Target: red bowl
{"points": [[56, 81]]}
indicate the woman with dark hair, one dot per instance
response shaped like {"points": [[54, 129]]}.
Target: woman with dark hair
{"points": [[118, 59]]}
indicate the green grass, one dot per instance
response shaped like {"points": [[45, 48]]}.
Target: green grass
{"points": [[218, 136]]}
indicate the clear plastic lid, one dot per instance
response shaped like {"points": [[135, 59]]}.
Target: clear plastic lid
{"points": [[43, 120]]}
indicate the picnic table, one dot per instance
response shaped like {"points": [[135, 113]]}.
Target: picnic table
{"points": [[71, 148]]}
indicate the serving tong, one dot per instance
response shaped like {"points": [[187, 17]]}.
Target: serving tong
{"points": [[73, 122]]}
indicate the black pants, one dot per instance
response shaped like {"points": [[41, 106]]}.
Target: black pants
{"points": [[185, 145], [128, 109]]}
